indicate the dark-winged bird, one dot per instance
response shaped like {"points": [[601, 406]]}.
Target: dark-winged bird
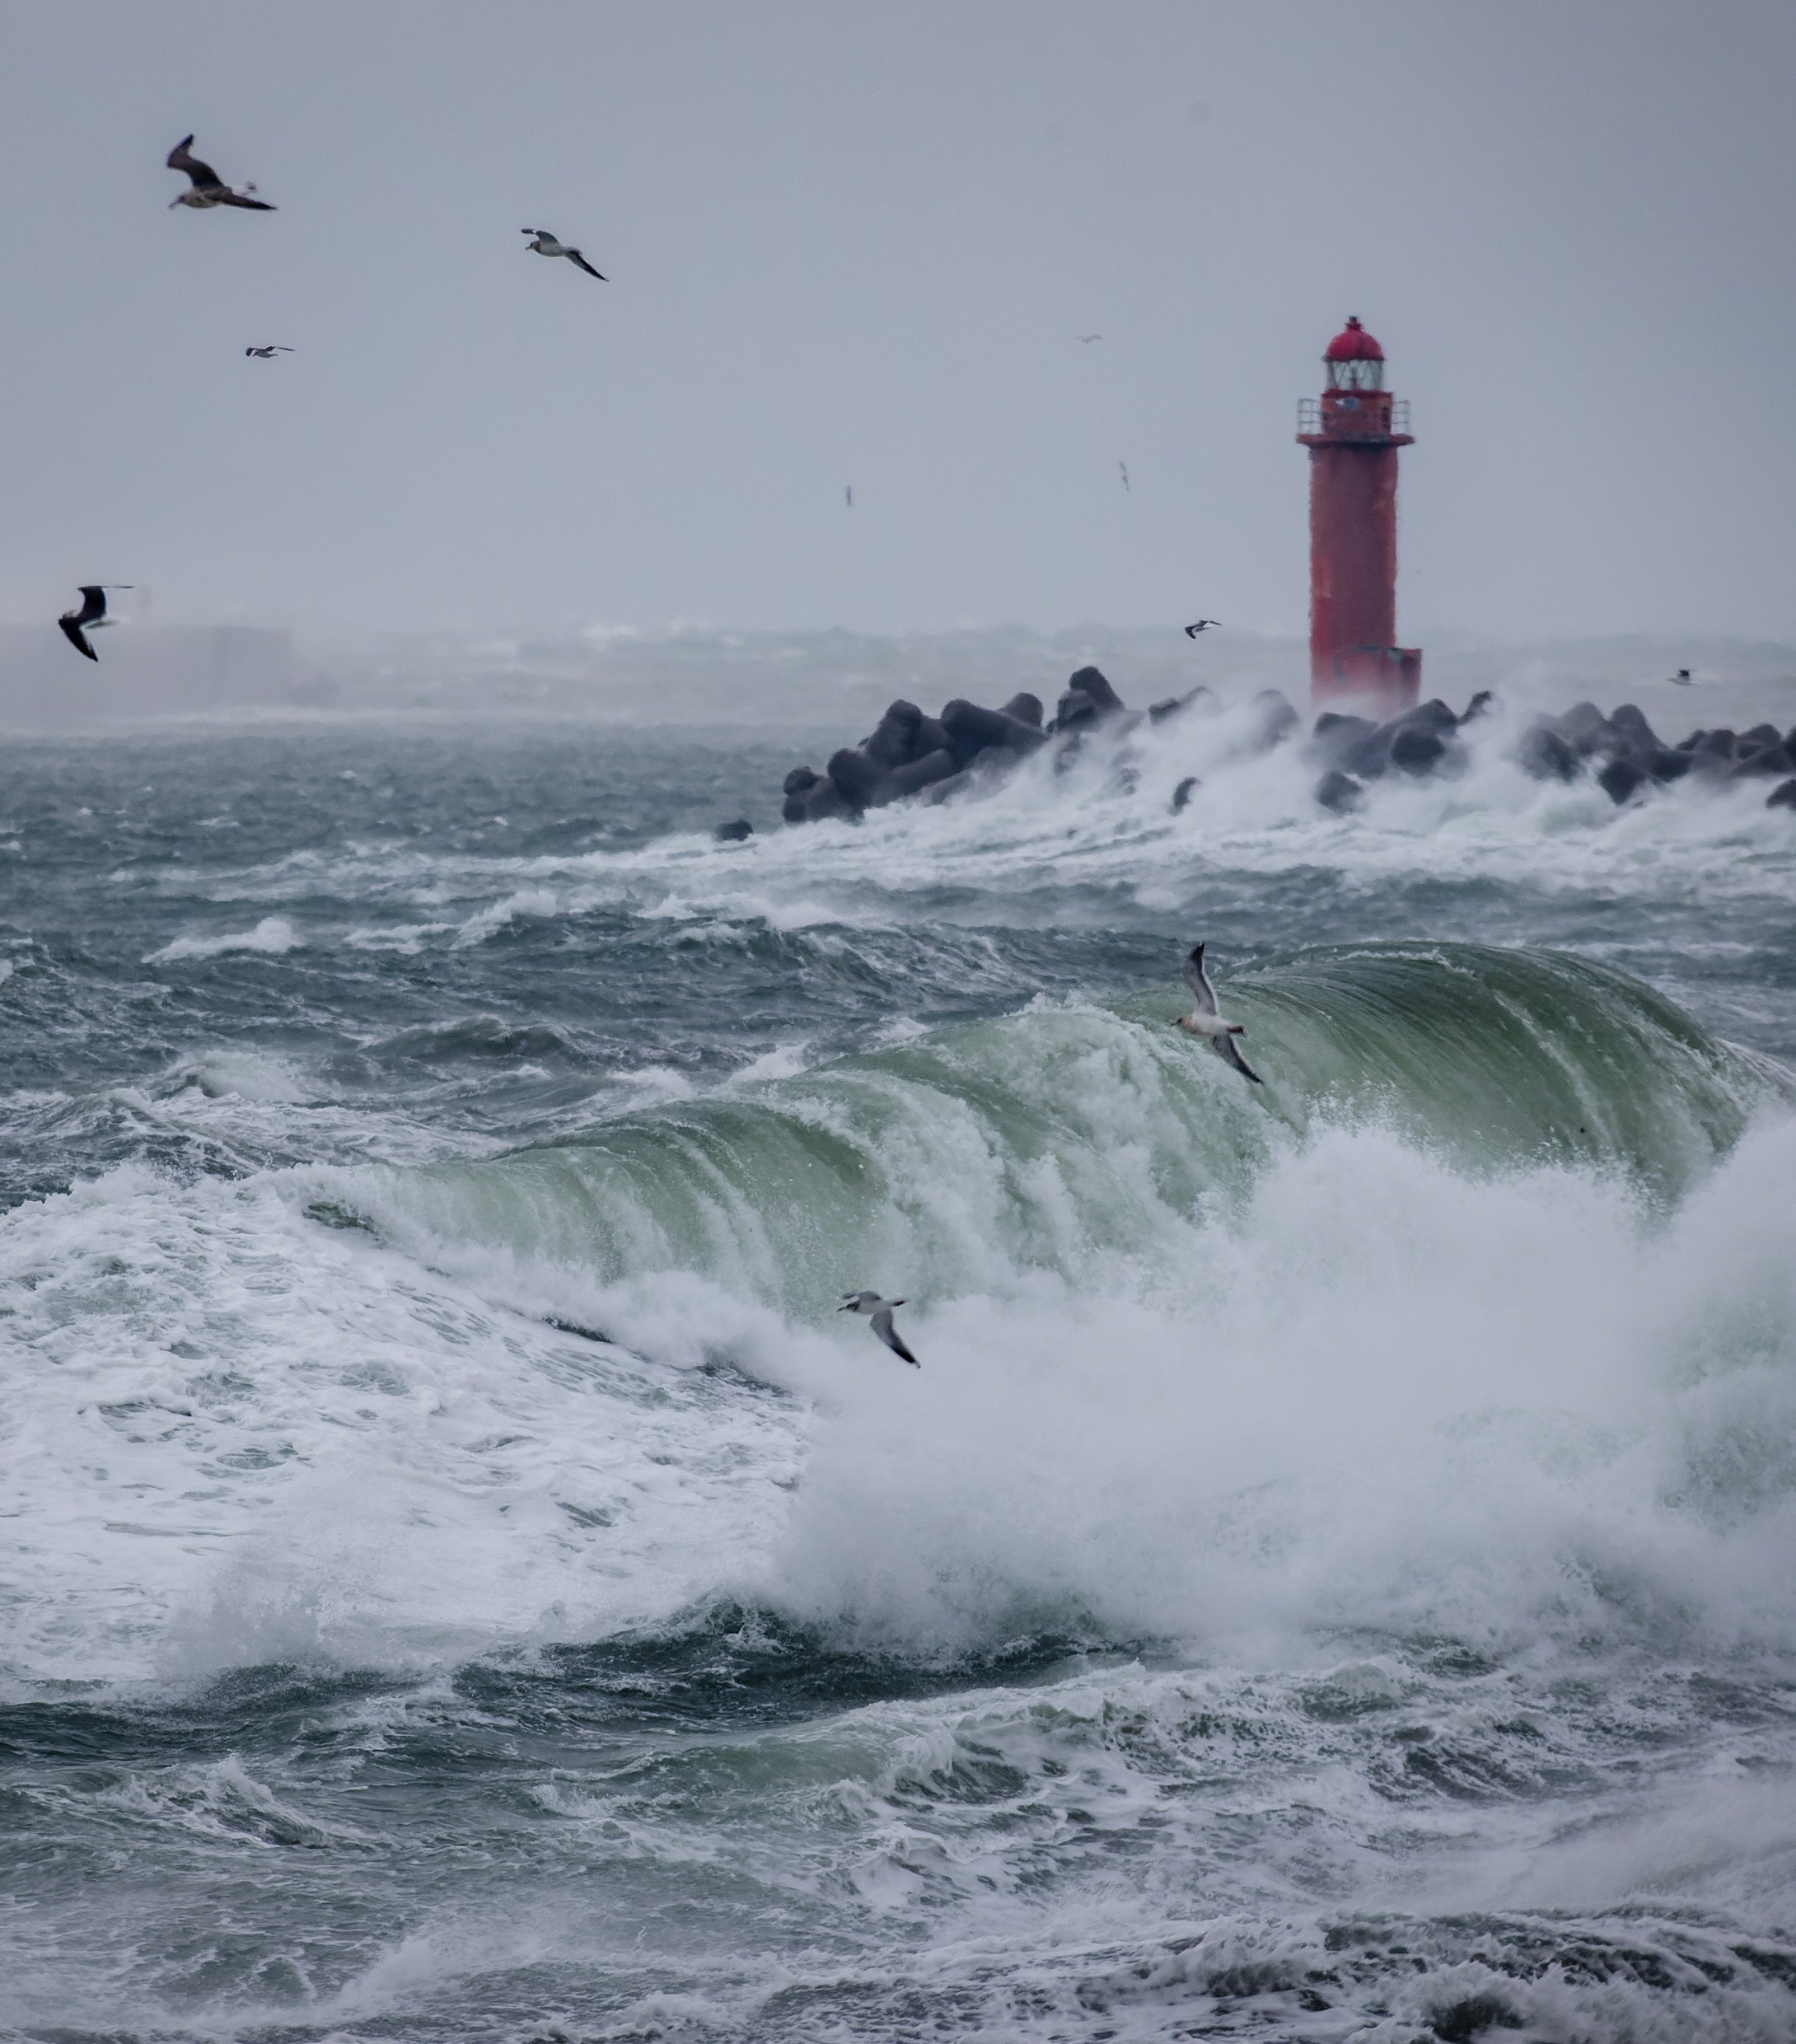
{"points": [[881, 1310], [76, 624], [209, 188], [267, 355], [1203, 625], [546, 244], [1205, 1021]]}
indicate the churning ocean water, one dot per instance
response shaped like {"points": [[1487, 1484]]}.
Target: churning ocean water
{"points": [[1330, 1578]]}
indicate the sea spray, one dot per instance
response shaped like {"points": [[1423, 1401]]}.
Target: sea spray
{"points": [[1071, 1137], [1328, 1579]]}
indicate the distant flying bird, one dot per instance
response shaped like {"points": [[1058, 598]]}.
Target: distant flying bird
{"points": [[1203, 1020], [1087, 338], [546, 244], [91, 615], [849, 494], [1124, 467], [1203, 625], [882, 1311], [267, 355], [209, 188]]}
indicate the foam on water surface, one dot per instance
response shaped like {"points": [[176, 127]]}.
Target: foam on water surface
{"points": [[1329, 1578]]}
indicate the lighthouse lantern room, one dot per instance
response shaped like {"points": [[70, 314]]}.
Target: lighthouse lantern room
{"points": [[1353, 432]]}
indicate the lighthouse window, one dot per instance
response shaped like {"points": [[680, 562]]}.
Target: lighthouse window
{"points": [[1356, 375]]}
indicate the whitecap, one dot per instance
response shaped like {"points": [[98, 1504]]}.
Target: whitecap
{"points": [[527, 901], [272, 936]]}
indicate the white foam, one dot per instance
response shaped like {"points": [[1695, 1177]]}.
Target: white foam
{"points": [[234, 1433], [488, 922], [407, 939], [242, 1074], [785, 1060], [1042, 831], [1390, 1396], [1374, 1402], [273, 936], [1372, 1391]]}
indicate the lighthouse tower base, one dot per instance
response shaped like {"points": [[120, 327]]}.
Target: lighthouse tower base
{"points": [[1384, 678]]}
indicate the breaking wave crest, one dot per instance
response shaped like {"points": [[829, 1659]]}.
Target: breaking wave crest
{"points": [[1490, 1268], [1039, 1141], [1477, 1317]]}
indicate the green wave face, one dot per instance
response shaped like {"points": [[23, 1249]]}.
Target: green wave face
{"points": [[1505, 1057], [1054, 1136]]}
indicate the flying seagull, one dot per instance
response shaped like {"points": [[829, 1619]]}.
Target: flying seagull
{"points": [[1203, 1020], [1087, 338], [267, 355], [1203, 625], [91, 615], [546, 244], [882, 1311], [209, 188], [1124, 467], [849, 494]]}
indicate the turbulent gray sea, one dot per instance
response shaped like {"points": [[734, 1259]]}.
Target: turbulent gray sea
{"points": [[1333, 1577]]}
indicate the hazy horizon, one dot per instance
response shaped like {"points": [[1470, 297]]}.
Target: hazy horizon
{"points": [[851, 248]]}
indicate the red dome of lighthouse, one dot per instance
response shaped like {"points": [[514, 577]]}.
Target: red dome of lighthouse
{"points": [[1353, 343]]}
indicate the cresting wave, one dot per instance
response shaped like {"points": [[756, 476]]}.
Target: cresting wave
{"points": [[1330, 1578], [1471, 1217], [1492, 1209], [1067, 1134]]}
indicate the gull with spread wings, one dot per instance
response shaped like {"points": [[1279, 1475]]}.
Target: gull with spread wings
{"points": [[881, 1309], [209, 188], [546, 244], [1206, 1022], [76, 624]]}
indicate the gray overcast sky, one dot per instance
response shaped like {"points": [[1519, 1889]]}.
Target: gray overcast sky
{"points": [[853, 243]]}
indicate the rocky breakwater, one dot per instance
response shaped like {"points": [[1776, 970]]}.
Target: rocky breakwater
{"points": [[1353, 750], [912, 754], [1620, 751], [1626, 755]]}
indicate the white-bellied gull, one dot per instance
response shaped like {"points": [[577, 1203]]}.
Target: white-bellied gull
{"points": [[881, 1309], [546, 244], [1203, 625], [1206, 1022], [209, 188], [76, 624]]}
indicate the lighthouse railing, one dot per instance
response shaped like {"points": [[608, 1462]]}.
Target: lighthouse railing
{"points": [[1309, 417]]}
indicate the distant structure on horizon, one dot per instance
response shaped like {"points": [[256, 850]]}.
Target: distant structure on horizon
{"points": [[1353, 432]]}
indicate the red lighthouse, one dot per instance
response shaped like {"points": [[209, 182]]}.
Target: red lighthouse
{"points": [[1353, 432]]}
